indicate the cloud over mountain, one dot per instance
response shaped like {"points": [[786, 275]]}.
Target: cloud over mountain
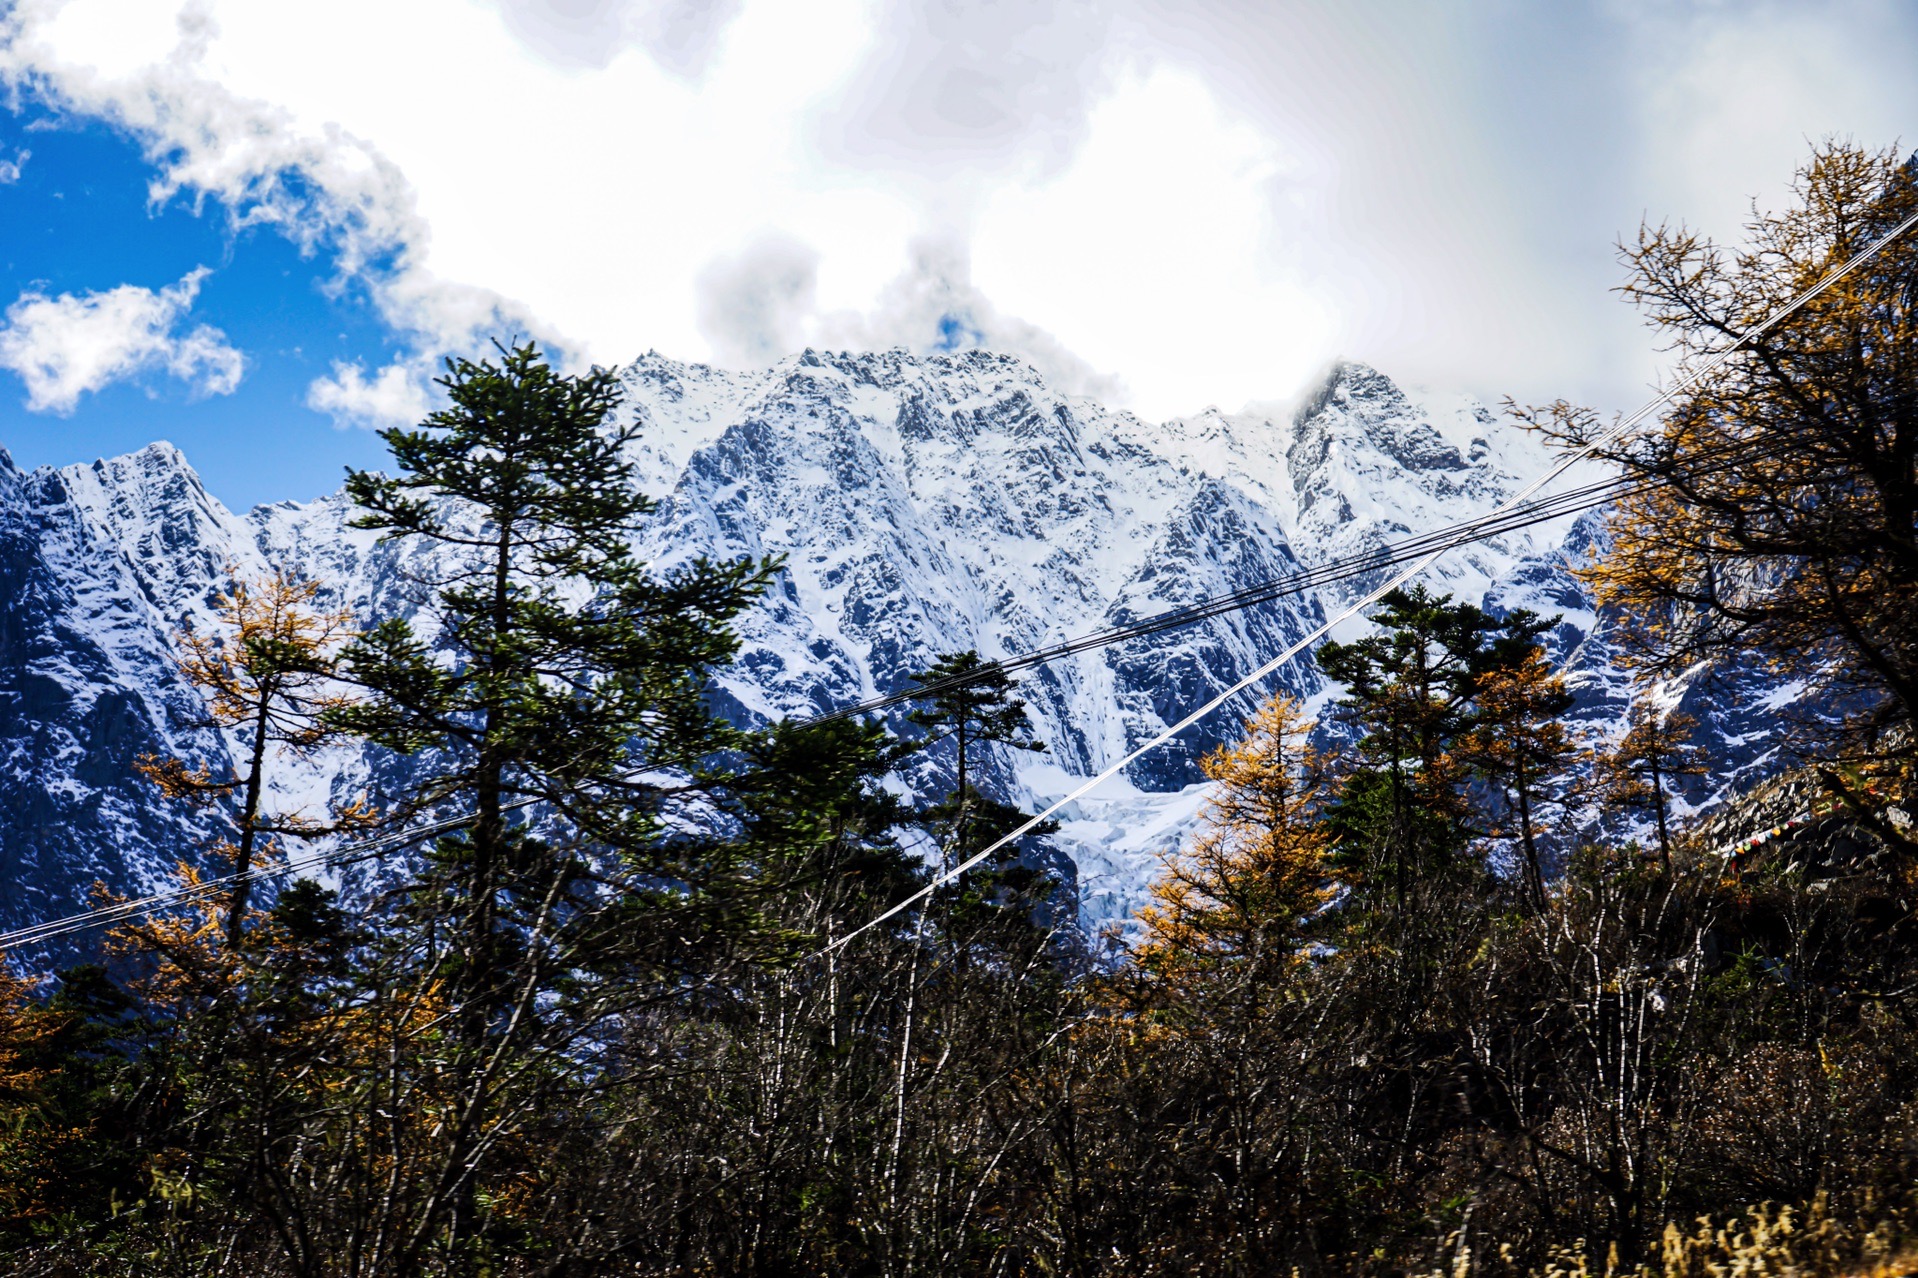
{"points": [[71, 345], [1202, 203]]}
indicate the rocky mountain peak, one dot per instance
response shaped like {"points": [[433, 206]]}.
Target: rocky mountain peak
{"points": [[176, 539], [1359, 407], [923, 504]]}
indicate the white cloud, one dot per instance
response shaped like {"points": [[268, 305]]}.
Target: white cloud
{"points": [[755, 306], [682, 35], [155, 68], [764, 303], [71, 345], [10, 169], [1736, 104], [394, 396], [461, 168], [1205, 200], [953, 90], [1179, 281], [670, 143], [934, 305]]}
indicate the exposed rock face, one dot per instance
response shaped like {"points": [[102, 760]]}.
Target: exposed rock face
{"points": [[88, 684], [923, 505]]}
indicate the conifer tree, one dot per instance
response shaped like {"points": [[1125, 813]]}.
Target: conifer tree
{"points": [[1221, 981], [1774, 507], [974, 707], [1518, 741], [1238, 899], [557, 669], [268, 675], [1003, 897], [1402, 813], [38, 1142], [1654, 752]]}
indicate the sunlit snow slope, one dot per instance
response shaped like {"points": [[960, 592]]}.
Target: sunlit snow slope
{"points": [[924, 504]]}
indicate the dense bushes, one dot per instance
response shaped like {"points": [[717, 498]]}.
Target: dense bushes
{"points": [[1287, 1071]]}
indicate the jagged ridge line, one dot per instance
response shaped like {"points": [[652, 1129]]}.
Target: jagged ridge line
{"points": [[1617, 431], [1192, 614], [1507, 509], [1573, 501], [1570, 502]]}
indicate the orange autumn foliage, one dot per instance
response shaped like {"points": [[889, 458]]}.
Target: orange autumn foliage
{"points": [[267, 677], [1239, 897], [34, 1138], [1773, 511]]}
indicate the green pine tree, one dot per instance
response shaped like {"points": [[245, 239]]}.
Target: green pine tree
{"points": [[970, 701], [1402, 814], [562, 671]]}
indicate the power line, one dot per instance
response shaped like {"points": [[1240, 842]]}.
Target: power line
{"points": [[1571, 502], [122, 911], [1518, 511], [1617, 431], [1523, 515], [1330, 573]]}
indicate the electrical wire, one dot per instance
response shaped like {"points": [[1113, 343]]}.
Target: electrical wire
{"points": [[1573, 501], [1526, 514], [140, 907], [1615, 432], [1327, 574], [1519, 511]]}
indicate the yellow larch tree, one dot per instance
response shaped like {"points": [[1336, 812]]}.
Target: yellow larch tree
{"points": [[37, 1140], [1239, 898], [1519, 742], [1639, 770], [1772, 512], [268, 677]]}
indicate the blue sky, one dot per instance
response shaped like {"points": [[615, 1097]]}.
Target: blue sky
{"points": [[77, 220], [253, 228]]}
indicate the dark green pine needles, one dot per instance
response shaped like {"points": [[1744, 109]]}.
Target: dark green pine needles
{"points": [[558, 669]]}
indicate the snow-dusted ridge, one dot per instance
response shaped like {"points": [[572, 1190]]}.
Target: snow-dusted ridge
{"points": [[925, 504]]}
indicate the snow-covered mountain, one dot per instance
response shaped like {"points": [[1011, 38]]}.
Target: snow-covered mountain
{"points": [[1752, 721], [925, 504]]}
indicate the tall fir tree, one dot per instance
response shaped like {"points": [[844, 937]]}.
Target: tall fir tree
{"points": [[1238, 900], [1654, 753], [556, 669], [1402, 814], [970, 701], [1518, 740]]}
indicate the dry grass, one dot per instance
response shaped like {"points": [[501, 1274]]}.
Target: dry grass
{"points": [[1879, 1240]]}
